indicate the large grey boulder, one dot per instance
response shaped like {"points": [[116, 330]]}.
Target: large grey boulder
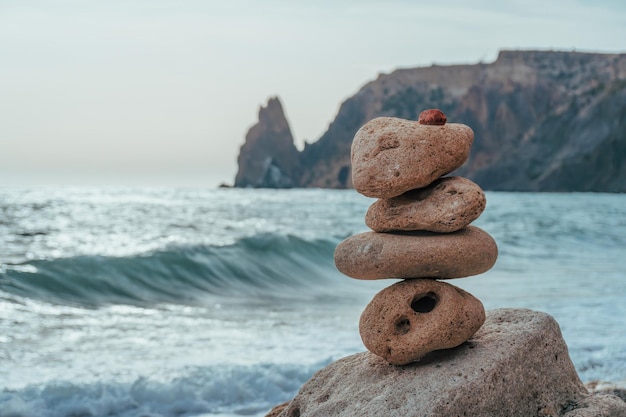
{"points": [[517, 364]]}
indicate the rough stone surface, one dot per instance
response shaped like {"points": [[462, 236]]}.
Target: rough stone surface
{"points": [[516, 365], [446, 205], [274, 412], [372, 255], [391, 156], [411, 318]]}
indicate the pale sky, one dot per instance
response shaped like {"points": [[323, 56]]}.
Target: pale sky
{"points": [[156, 92]]}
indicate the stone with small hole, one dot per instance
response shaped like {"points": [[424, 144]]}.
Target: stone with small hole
{"points": [[411, 318]]}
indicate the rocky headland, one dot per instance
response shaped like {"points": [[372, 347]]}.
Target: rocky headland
{"points": [[543, 121]]}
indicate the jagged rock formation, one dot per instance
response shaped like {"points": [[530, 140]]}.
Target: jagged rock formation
{"points": [[543, 121], [269, 157]]}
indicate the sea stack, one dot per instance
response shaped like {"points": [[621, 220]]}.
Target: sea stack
{"points": [[421, 233]]}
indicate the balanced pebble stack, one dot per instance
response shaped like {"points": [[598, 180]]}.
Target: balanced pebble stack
{"points": [[421, 233]]}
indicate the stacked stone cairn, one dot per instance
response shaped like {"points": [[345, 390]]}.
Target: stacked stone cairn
{"points": [[421, 233]]}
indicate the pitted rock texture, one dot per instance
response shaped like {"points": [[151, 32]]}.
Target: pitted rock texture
{"points": [[411, 318], [391, 156], [516, 365], [447, 205], [372, 255]]}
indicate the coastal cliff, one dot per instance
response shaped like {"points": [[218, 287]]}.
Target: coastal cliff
{"points": [[543, 121]]}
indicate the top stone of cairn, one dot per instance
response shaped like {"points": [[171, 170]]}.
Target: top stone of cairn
{"points": [[391, 156]]}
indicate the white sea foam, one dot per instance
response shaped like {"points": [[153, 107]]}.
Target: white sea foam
{"points": [[219, 389]]}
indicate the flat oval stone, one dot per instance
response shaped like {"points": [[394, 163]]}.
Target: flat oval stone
{"points": [[391, 156], [414, 317], [446, 205], [373, 255]]}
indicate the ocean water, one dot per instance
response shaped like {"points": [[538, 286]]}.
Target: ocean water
{"points": [[223, 302]]}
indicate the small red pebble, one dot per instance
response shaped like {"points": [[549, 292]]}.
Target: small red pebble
{"points": [[432, 117]]}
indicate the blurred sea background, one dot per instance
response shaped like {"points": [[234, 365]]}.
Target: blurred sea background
{"points": [[141, 302]]}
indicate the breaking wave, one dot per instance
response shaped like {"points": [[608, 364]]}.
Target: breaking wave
{"points": [[266, 265]]}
